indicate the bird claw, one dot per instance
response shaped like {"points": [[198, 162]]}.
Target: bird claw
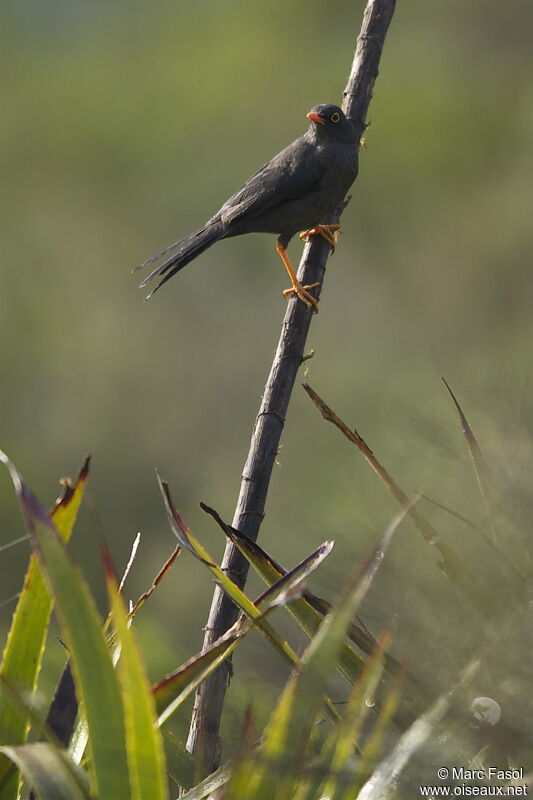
{"points": [[328, 232], [301, 292]]}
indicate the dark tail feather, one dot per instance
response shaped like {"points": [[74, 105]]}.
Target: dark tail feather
{"points": [[158, 255], [189, 248]]}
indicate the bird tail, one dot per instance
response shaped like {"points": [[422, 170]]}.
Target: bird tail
{"points": [[185, 250]]}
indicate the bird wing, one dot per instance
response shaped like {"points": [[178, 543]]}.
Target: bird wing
{"points": [[291, 174]]}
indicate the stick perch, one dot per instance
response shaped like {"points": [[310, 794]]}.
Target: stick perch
{"points": [[203, 738]]}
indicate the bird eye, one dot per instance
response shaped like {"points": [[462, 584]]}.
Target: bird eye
{"points": [[335, 117]]}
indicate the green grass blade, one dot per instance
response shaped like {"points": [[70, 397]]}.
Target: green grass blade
{"points": [[389, 769], [241, 600], [49, 771], [21, 660], [79, 739], [340, 785], [294, 578], [291, 723], [172, 690], [43, 759], [209, 785], [181, 765], [309, 610], [96, 681], [375, 742], [144, 742]]}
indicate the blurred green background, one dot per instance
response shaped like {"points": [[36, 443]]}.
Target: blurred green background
{"points": [[126, 125]]}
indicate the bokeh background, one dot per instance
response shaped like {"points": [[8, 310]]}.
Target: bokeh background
{"points": [[124, 126]]}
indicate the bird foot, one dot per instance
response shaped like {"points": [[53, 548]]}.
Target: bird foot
{"points": [[302, 292], [297, 288], [328, 232]]}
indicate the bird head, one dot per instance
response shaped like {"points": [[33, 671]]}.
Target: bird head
{"points": [[330, 121]]}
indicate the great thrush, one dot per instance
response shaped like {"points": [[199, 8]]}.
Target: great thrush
{"points": [[296, 191]]}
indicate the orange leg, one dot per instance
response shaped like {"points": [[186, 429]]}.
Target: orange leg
{"points": [[328, 232], [297, 288]]}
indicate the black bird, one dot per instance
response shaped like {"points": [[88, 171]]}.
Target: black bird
{"points": [[296, 191]]}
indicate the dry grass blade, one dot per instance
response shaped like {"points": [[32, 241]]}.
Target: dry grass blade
{"points": [[157, 580], [488, 541], [131, 559], [178, 526], [479, 464], [299, 573], [450, 564]]}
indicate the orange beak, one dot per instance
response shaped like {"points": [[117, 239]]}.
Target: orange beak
{"points": [[313, 116]]}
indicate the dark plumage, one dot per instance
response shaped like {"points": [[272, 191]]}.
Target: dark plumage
{"points": [[296, 191]]}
